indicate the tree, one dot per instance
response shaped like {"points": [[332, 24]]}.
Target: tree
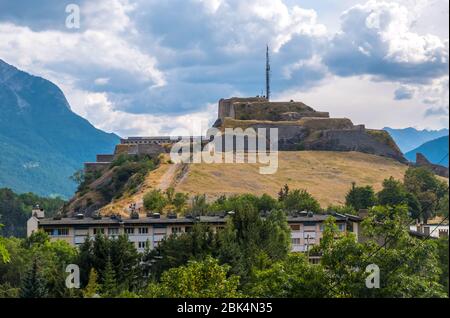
{"points": [[395, 193], [198, 279], [170, 192], [120, 252], [443, 251], [78, 177], [360, 197], [266, 203], [409, 267], [154, 201], [199, 205], [428, 189], [85, 260], [179, 201], [125, 261], [282, 194], [177, 250], [34, 285], [300, 200], [293, 277], [4, 255], [249, 242], [109, 285], [442, 208], [92, 288], [36, 238]]}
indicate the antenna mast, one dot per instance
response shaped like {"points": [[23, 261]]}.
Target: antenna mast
{"points": [[267, 73]]}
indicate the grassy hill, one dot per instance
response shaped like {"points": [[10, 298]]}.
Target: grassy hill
{"points": [[326, 175]]}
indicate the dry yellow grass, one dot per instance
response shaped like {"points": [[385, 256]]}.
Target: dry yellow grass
{"points": [[152, 181], [327, 175]]}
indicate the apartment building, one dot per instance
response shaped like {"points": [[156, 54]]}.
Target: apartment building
{"points": [[306, 227]]}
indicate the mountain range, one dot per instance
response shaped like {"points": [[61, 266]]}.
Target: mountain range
{"points": [[42, 141], [436, 151], [410, 138]]}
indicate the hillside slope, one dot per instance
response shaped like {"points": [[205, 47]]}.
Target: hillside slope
{"points": [[436, 151], [42, 142], [326, 175]]}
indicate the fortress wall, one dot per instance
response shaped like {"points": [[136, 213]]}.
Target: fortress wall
{"points": [[90, 167], [150, 149], [325, 123], [275, 111], [121, 148], [105, 158], [226, 108], [355, 140]]}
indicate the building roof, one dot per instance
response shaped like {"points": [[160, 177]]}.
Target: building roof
{"points": [[167, 220], [118, 221]]}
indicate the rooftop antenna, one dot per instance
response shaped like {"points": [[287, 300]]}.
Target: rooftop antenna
{"points": [[267, 73]]}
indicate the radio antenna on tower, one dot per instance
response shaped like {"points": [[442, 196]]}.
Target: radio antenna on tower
{"points": [[267, 73]]}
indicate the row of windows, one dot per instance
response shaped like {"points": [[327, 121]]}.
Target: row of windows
{"points": [[297, 241], [296, 227], [58, 232], [141, 230], [142, 244], [175, 230]]}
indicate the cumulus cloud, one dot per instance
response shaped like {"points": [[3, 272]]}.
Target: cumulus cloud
{"points": [[139, 64], [404, 92], [102, 113], [376, 39]]}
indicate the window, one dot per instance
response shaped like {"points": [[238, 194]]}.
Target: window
{"points": [[142, 244], [58, 232], [98, 231], [295, 227], [176, 229], [296, 241], [341, 227], [129, 230], [188, 229], [322, 227], [113, 231], [143, 230]]}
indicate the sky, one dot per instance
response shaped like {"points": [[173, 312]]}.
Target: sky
{"points": [[154, 67]]}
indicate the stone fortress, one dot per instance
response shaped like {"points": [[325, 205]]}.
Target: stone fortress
{"points": [[300, 127]]}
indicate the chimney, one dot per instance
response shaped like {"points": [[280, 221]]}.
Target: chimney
{"points": [[38, 212], [363, 213]]}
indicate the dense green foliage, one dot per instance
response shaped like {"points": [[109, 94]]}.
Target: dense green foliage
{"points": [[360, 197], [128, 173], [197, 279], [429, 190], [15, 210], [123, 177], [251, 255]]}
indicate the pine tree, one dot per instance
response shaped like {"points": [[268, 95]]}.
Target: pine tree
{"points": [[109, 286], [34, 285], [92, 288]]}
